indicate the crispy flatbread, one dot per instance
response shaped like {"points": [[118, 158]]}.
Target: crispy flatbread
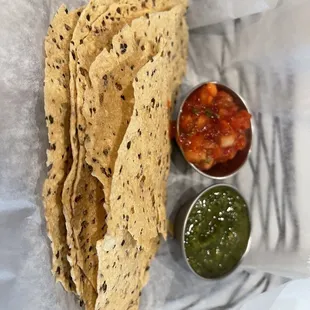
{"points": [[118, 15], [108, 104], [57, 111], [115, 82], [138, 193], [88, 215], [109, 111], [144, 156], [85, 289], [123, 272]]}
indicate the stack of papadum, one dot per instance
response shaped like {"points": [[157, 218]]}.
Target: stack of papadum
{"points": [[111, 76]]}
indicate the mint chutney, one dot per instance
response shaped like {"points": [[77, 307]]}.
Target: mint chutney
{"points": [[217, 232]]}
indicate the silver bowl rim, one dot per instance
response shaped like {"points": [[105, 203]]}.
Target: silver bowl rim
{"points": [[252, 131], [184, 225]]}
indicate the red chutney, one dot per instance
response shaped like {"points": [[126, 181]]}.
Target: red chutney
{"points": [[212, 127]]}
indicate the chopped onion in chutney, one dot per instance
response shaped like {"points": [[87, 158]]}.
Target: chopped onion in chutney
{"points": [[212, 127], [217, 232]]}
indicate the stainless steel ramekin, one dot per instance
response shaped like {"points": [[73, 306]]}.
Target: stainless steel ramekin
{"points": [[180, 225], [223, 170]]}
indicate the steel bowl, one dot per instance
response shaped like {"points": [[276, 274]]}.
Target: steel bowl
{"points": [[180, 225], [223, 170]]}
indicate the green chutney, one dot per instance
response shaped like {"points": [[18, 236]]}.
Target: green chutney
{"points": [[217, 232]]}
